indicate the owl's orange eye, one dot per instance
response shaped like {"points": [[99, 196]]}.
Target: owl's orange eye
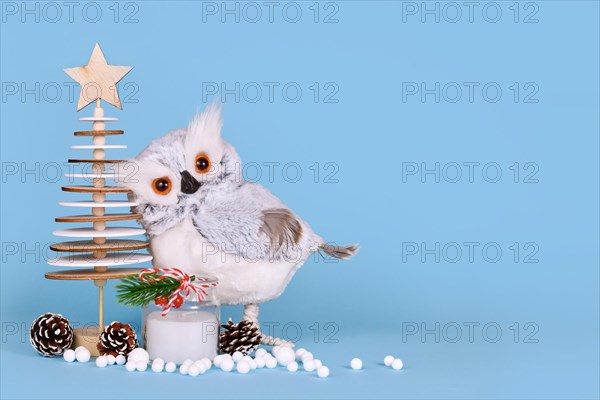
{"points": [[162, 186], [202, 163]]}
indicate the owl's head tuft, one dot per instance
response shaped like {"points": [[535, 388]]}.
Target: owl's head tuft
{"points": [[184, 162]]}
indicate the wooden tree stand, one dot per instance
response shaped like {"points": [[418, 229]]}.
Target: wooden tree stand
{"points": [[97, 253]]}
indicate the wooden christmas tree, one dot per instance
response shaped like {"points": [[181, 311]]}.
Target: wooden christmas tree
{"points": [[96, 251]]}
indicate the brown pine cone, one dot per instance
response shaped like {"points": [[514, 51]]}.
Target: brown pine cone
{"points": [[243, 337], [51, 334], [117, 338]]}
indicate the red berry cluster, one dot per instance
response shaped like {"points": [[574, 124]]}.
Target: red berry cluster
{"points": [[163, 301]]}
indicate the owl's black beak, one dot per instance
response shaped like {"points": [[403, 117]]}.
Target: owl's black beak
{"points": [[189, 184]]}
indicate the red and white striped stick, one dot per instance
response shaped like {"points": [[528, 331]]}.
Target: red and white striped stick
{"points": [[186, 284]]}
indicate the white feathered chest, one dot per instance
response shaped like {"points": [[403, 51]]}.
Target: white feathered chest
{"points": [[241, 280]]}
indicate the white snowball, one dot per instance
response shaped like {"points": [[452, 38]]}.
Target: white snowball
{"points": [[170, 367], [141, 366], [285, 355], [308, 365], [193, 370], [237, 356], [275, 349], [217, 360], [252, 364], [388, 360], [260, 362], [323, 372], [78, 348], [271, 362], [260, 352], [69, 355], [293, 366], [101, 362], [158, 365], [120, 359], [307, 356], [187, 362], [183, 369], [138, 355], [83, 355], [247, 358], [243, 367], [356, 363], [317, 363], [207, 363], [397, 364], [300, 352], [158, 360], [110, 359], [130, 366], [227, 364]]}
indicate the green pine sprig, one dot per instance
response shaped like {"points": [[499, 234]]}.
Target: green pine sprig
{"points": [[137, 293]]}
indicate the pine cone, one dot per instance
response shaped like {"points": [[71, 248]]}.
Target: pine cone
{"points": [[117, 339], [51, 334], [243, 337]]}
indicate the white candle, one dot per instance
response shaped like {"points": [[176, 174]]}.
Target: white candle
{"points": [[181, 335]]}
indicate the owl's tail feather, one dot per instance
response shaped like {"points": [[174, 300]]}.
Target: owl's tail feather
{"points": [[339, 252]]}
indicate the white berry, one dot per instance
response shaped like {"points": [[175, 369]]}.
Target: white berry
{"points": [[138, 355], [193, 371], [110, 359], [120, 359], [141, 366], [158, 365], [101, 362], [237, 356], [227, 364], [271, 362], [130, 366], [200, 366], [217, 360], [293, 366], [397, 364], [308, 365], [83, 355], [260, 362], [323, 372], [388, 360], [243, 367], [260, 352], [356, 363], [318, 363], [170, 367], [69, 355], [285, 355]]}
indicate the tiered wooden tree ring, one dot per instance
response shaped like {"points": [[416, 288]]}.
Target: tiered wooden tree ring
{"points": [[100, 253]]}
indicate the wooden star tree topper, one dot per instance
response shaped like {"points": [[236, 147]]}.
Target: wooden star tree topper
{"points": [[98, 80]]}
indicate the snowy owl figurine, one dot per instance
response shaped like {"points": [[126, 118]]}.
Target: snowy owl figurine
{"points": [[202, 217]]}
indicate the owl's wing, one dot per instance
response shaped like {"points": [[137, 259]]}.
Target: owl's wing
{"points": [[249, 220], [281, 227]]}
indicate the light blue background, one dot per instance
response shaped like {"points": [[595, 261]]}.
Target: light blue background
{"points": [[369, 133]]}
